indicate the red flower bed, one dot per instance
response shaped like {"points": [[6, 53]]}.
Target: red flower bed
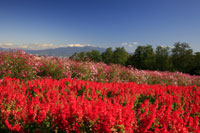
{"points": [[85, 106]]}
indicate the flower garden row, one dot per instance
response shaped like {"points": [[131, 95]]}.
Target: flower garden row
{"points": [[88, 106], [18, 64]]}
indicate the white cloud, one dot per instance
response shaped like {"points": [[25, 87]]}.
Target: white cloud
{"points": [[135, 43], [39, 46], [171, 47], [124, 43], [129, 44], [77, 45], [166, 46], [8, 45]]}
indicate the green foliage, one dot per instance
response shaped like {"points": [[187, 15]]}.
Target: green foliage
{"points": [[82, 56], [107, 56], [87, 126], [162, 60], [120, 56], [182, 57], [52, 69], [94, 55], [141, 98], [196, 63], [143, 57], [179, 58]]}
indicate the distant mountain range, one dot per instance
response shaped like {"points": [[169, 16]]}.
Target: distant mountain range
{"points": [[63, 51]]}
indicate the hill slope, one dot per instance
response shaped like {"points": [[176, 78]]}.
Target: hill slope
{"points": [[62, 51], [65, 51]]}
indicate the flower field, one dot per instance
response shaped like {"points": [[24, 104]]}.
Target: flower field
{"points": [[18, 64], [87, 106], [57, 94]]}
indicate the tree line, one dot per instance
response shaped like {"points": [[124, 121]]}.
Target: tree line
{"points": [[180, 58]]}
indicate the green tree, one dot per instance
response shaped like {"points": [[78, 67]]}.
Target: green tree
{"points": [[94, 55], [196, 63], [107, 56], [78, 56], [130, 60], [120, 56], [182, 57], [144, 57], [162, 59]]}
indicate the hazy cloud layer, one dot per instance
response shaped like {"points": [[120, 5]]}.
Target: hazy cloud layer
{"points": [[39, 46], [129, 44]]}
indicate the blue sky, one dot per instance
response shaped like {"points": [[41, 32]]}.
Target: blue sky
{"points": [[103, 23]]}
